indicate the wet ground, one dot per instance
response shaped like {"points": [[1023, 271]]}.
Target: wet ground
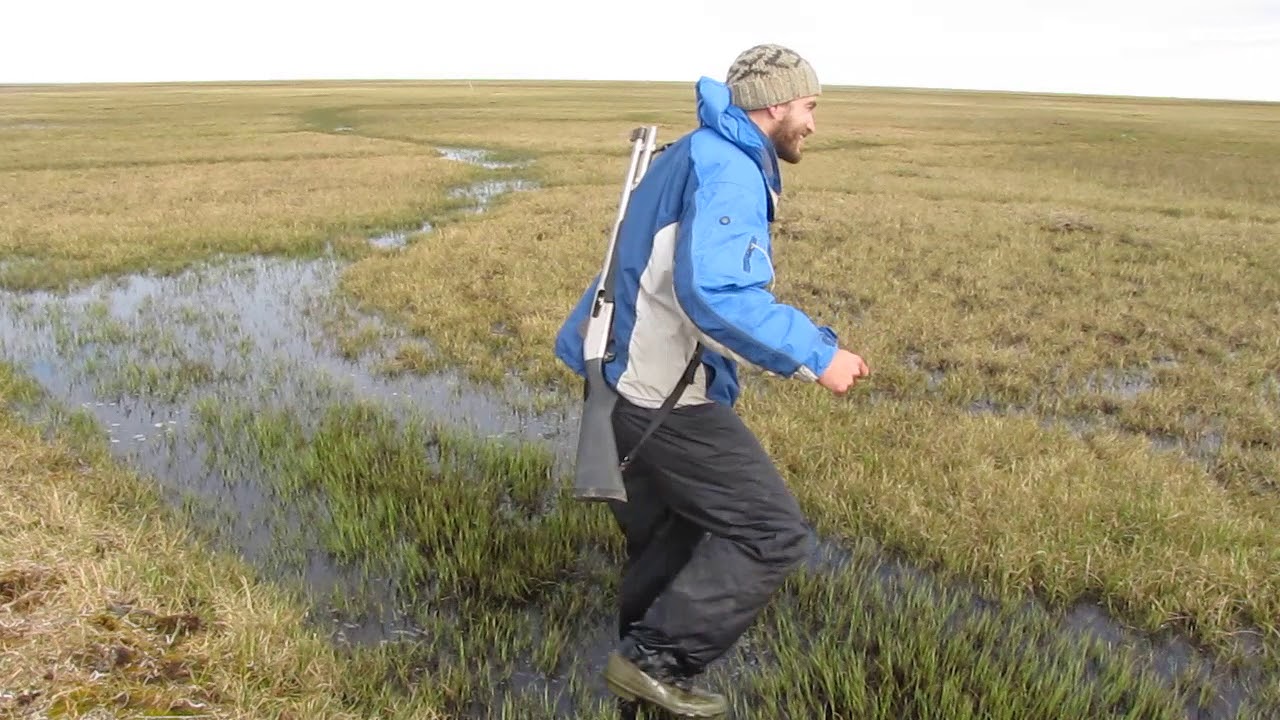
{"points": [[152, 359]]}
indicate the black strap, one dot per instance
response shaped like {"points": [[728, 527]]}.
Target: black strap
{"points": [[689, 371]]}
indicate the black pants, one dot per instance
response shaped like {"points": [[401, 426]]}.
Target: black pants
{"points": [[711, 530]]}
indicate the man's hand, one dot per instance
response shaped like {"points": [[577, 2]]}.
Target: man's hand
{"points": [[843, 372]]}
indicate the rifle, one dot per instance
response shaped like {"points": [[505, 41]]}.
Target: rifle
{"points": [[598, 473]]}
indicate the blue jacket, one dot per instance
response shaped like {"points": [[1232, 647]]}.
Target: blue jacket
{"points": [[694, 256]]}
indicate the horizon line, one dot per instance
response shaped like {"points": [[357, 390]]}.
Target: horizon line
{"points": [[5, 85]]}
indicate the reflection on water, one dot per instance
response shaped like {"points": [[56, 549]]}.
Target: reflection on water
{"points": [[142, 355]]}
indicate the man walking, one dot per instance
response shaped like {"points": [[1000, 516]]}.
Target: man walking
{"points": [[711, 529]]}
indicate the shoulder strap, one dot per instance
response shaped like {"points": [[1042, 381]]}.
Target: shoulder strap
{"points": [[689, 371]]}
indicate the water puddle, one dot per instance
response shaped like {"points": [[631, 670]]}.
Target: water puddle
{"points": [[1118, 385], [143, 348], [1126, 385], [1269, 392], [1204, 448], [155, 360], [987, 406], [397, 239], [147, 357], [1172, 659], [479, 157], [480, 195], [483, 193]]}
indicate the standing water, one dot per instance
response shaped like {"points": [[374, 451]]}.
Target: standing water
{"points": [[153, 359]]}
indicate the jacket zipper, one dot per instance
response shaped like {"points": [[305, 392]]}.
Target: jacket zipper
{"points": [[746, 258]]}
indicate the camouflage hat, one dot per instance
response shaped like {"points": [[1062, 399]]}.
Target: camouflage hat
{"points": [[770, 75]]}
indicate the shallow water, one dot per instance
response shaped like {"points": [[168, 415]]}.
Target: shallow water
{"points": [[143, 355], [476, 156], [148, 356], [483, 193], [398, 238], [1169, 658]]}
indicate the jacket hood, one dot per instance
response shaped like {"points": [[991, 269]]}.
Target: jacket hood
{"points": [[717, 112]]}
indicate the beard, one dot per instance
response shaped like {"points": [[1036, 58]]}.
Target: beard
{"points": [[786, 139]]}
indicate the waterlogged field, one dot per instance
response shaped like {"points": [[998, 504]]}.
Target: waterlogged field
{"points": [[304, 438]]}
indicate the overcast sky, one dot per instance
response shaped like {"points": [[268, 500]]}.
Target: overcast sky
{"points": [[1181, 48]]}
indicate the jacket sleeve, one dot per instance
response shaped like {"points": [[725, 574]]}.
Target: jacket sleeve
{"points": [[722, 275]]}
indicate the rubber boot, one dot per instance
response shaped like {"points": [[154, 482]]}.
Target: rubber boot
{"points": [[634, 672]]}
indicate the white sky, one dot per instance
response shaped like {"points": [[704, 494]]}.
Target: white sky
{"points": [[1181, 48]]}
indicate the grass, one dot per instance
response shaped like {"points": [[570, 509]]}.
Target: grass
{"points": [[488, 555], [107, 604], [467, 534], [1067, 304], [965, 278]]}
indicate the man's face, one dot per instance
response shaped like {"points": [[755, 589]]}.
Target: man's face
{"points": [[795, 123]]}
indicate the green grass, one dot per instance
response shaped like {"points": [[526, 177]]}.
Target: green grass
{"points": [[109, 605], [501, 569]]}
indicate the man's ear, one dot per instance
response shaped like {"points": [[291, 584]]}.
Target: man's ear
{"points": [[777, 112]]}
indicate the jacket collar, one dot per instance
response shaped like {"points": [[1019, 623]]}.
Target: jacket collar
{"points": [[717, 112]]}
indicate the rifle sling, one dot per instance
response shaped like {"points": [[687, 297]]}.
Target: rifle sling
{"points": [[689, 371]]}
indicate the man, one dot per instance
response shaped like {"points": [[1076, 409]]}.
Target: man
{"points": [[711, 529]]}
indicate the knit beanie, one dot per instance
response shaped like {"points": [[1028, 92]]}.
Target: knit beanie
{"points": [[770, 75]]}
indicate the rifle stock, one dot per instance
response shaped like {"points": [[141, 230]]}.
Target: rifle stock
{"points": [[597, 472], [598, 475]]}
